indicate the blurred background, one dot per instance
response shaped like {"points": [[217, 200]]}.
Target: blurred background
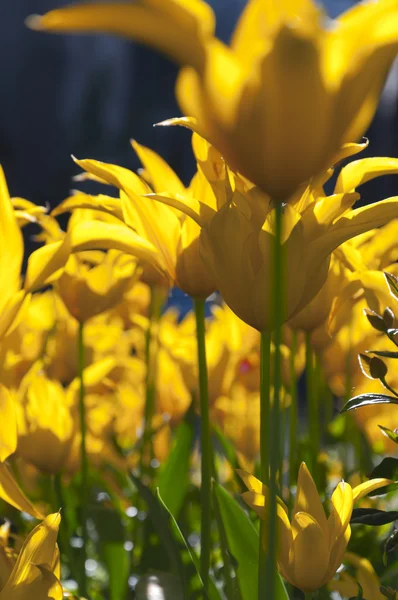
{"points": [[88, 95]]}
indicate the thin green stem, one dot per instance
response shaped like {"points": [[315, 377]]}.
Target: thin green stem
{"points": [[151, 358], [313, 408], [293, 416], [309, 596], [65, 532], [274, 433], [84, 460], [206, 447]]}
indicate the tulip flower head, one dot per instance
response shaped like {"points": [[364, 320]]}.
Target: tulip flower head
{"points": [[255, 100], [310, 532]]}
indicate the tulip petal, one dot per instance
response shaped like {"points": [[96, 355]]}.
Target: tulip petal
{"points": [[176, 27], [36, 557], [8, 424], [348, 150], [307, 498], [358, 172], [252, 483], [13, 312], [10, 492], [102, 203], [367, 487], [11, 254], [95, 235], [161, 175], [195, 209], [339, 518], [309, 556], [45, 264]]}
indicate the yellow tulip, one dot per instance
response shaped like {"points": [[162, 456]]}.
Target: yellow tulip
{"points": [[174, 236], [45, 424], [347, 586], [309, 532], [255, 100], [88, 289], [35, 573]]}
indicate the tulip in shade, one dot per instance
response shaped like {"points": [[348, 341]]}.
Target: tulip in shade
{"points": [[255, 100], [309, 533]]}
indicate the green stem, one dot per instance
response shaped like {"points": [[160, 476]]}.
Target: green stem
{"points": [[309, 596], [65, 533], [84, 461], [293, 417], [206, 447], [151, 357], [274, 433], [265, 412], [313, 408]]}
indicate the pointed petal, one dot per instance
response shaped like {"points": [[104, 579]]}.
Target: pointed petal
{"points": [[191, 207], [13, 312], [252, 483], [307, 498], [348, 150], [10, 492], [339, 518], [101, 202], [39, 548], [45, 264], [95, 235], [161, 175], [359, 172], [176, 27], [354, 223], [310, 541], [367, 487], [8, 424]]}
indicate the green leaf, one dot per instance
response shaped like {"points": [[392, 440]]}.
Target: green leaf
{"points": [[227, 447], [243, 542], [393, 435], [388, 468], [368, 400], [173, 477], [161, 524], [112, 535], [214, 594], [118, 566], [372, 516]]}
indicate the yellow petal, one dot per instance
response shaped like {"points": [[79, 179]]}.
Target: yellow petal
{"points": [[45, 263], [11, 254], [95, 235], [101, 202], [195, 209], [161, 175], [176, 27], [252, 483], [310, 541], [8, 424], [10, 492], [339, 518], [37, 556], [367, 487], [13, 312], [307, 498], [348, 150], [359, 172]]}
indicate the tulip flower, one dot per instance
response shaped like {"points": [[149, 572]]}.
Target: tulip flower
{"points": [[90, 288], [174, 236], [35, 573], [45, 424], [365, 575], [309, 533], [255, 100]]}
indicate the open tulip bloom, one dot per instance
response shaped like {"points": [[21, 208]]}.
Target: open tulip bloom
{"points": [[311, 545]]}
